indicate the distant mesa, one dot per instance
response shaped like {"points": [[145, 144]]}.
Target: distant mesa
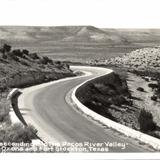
{"points": [[49, 35]]}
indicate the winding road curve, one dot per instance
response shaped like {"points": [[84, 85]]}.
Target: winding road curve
{"points": [[45, 107]]}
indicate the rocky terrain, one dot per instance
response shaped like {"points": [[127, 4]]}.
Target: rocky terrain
{"points": [[142, 77], [19, 68], [144, 83], [143, 99], [109, 96], [144, 59]]}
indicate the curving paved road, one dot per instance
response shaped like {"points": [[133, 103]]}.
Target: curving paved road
{"points": [[46, 108]]}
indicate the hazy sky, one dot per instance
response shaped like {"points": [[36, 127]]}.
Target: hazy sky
{"points": [[99, 13]]}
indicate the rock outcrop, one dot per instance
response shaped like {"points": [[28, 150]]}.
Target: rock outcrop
{"points": [[146, 58]]}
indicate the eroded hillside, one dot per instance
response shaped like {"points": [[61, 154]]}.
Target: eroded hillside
{"points": [[19, 68]]}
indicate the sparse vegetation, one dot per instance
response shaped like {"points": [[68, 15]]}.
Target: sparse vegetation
{"points": [[110, 97], [20, 64], [146, 121], [5, 49], [34, 56], [18, 133], [20, 68], [145, 64], [4, 111], [146, 79], [153, 85], [17, 52], [154, 98], [25, 52], [46, 60], [140, 89]]}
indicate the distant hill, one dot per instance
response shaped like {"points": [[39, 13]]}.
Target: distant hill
{"points": [[93, 34], [138, 35], [89, 34], [62, 34]]}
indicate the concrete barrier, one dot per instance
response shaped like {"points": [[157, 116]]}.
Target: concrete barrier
{"points": [[154, 142], [12, 93], [13, 96]]}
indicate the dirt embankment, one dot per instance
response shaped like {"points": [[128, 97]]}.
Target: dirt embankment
{"points": [[144, 84], [121, 100], [110, 97], [30, 78], [19, 68]]}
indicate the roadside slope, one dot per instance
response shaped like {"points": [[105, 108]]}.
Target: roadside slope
{"points": [[47, 108]]}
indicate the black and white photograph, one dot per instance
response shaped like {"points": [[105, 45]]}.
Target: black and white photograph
{"points": [[76, 83]]}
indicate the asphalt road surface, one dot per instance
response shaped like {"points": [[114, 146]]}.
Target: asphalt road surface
{"points": [[46, 108]]}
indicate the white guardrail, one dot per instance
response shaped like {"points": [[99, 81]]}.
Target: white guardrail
{"points": [[154, 142]]}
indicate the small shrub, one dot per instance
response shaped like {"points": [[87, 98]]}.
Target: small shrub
{"points": [[4, 111], [25, 52], [153, 85], [140, 89], [6, 48], [18, 133], [1, 50], [46, 60], [13, 56], [4, 56], [3, 87], [33, 56], [146, 121], [17, 52], [146, 79], [154, 98], [59, 64], [119, 100]]}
